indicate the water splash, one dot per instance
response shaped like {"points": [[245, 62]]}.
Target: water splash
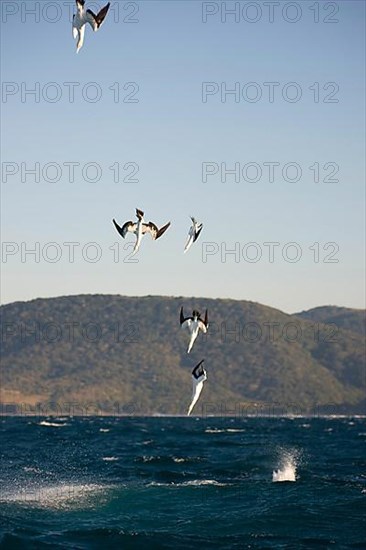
{"points": [[287, 469]]}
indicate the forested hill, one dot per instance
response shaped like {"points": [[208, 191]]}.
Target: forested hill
{"points": [[125, 355], [346, 318]]}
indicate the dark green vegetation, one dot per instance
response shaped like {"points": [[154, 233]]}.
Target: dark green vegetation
{"points": [[345, 318], [115, 354]]}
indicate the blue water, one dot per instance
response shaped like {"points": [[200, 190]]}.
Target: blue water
{"points": [[182, 483]]}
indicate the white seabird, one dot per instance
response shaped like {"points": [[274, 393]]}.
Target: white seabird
{"points": [[199, 375], [193, 233], [194, 325], [140, 228], [83, 16]]}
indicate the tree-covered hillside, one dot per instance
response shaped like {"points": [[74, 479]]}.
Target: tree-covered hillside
{"points": [[122, 355], [343, 317]]}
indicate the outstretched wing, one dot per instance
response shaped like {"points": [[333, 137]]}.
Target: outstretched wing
{"points": [[153, 230], [162, 230], [203, 324], [95, 21], [198, 370], [128, 226], [181, 317], [91, 18], [197, 232], [184, 321], [150, 228]]}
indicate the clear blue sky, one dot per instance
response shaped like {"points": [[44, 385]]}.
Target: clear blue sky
{"points": [[169, 133]]}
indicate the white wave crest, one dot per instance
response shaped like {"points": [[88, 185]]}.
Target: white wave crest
{"points": [[51, 424], [192, 483]]}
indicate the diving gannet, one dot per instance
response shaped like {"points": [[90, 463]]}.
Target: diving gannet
{"points": [[82, 17], [193, 233], [194, 324], [199, 375], [139, 228]]}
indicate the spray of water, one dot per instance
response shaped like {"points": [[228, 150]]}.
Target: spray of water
{"points": [[287, 465]]}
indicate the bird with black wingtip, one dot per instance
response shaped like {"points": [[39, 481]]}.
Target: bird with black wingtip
{"points": [[199, 376], [140, 228], [193, 234], [194, 323], [82, 17]]}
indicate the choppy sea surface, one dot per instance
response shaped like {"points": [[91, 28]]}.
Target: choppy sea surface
{"points": [[182, 483]]}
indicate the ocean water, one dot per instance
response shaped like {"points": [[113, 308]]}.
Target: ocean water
{"points": [[182, 483]]}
